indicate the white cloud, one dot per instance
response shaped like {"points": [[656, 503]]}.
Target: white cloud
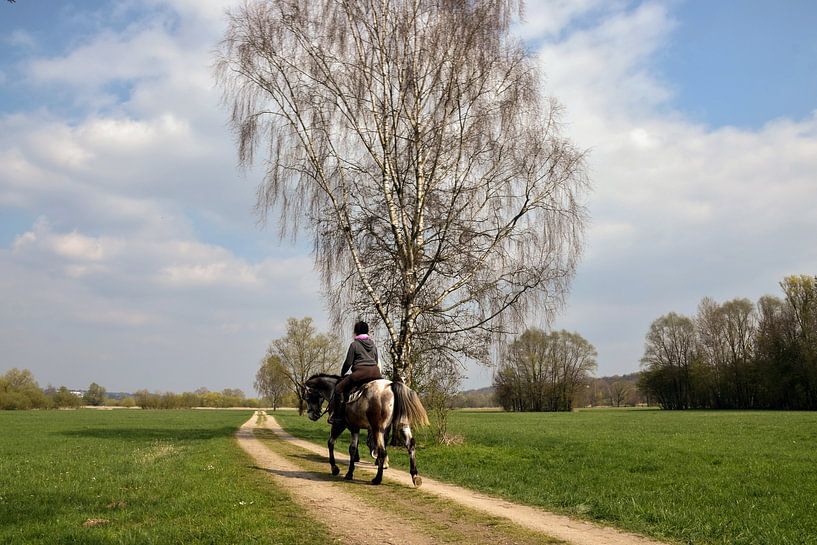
{"points": [[206, 275], [20, 38], [548, 18], [139, 53], [606, 67], [111, 295]]}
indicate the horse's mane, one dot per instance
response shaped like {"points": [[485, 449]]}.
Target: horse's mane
{"points": [[323, 375]]}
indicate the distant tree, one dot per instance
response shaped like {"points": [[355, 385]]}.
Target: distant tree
{"points": [[233, 392], [95, 395], [63, 398], [303, 352], [189, 400], [670, 354], [271, 380], [544, 371], [483, 397], [169, 400], [19, 390], [20, 379], [776, 354], [801, 302], [147, 400], [726, 335], [619, 392]]}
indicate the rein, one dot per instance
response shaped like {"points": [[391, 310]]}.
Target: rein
{"points": [[326, 410]]}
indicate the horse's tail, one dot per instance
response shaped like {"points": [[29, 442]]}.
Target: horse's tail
{"points": [[408, 409]]}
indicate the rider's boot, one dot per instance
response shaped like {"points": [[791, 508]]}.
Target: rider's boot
{"points": [[336, 409]]}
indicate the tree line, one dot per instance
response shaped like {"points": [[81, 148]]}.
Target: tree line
{"points": [[609, 391], [737, 354], [19, 390]]}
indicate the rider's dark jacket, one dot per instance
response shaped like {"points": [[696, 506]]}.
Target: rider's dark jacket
{"points": [[362, 352]]}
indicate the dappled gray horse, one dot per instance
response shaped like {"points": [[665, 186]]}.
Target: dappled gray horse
{"points": [[379, 406]]}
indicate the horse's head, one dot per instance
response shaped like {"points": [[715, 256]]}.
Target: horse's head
{"points": [[317, 389], [314, 402]]}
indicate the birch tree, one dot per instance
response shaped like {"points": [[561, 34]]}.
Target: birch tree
{"points": [[411, 140]]}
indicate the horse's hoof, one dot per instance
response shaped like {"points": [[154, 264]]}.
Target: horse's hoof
{"points": [[376, 480], [417, 480], [335, 470], [347, 477]]}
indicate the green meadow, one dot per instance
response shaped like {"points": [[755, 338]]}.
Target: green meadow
{"points": [[152, 477], [698, 477]]}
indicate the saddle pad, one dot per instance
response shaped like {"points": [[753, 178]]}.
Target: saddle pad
{"points": [[357, 393]]}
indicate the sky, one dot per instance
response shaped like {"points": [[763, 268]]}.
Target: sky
{"points": [[130, 254]]}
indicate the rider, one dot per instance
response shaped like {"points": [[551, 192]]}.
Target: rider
{"points": [[360, 367]]}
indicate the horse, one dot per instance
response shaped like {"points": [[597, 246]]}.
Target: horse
{"points": [[380, 405]]}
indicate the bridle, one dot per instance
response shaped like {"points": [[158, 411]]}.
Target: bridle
{"points": [[307, 390]]}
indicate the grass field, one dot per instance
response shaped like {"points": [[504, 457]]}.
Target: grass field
{"points": [[697, 477], [156, 476]]}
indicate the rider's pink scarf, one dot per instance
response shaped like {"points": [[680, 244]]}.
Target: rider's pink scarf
{"points": [[362, 337]]}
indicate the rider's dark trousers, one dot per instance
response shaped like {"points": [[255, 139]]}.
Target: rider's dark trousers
{"points": [[360, 374]]}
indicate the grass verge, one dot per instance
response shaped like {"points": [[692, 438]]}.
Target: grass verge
{"points": [[145, 477]]}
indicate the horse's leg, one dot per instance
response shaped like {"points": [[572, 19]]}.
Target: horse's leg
{"points": [[371, 445], [410, 446], [381, 455], [357, 452], [386, 437], [352, 453], [335, 432]]}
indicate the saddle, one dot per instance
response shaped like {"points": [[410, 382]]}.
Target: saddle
{"points": [[356, 393]]}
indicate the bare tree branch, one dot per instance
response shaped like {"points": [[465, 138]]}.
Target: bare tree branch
{"points": [[411, 139]]}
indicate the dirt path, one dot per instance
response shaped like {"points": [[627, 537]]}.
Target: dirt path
{"points": [[349, 520], [558, 526]]}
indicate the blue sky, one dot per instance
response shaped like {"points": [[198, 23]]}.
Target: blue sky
{"points": [[742, 62], [130, 255]]}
